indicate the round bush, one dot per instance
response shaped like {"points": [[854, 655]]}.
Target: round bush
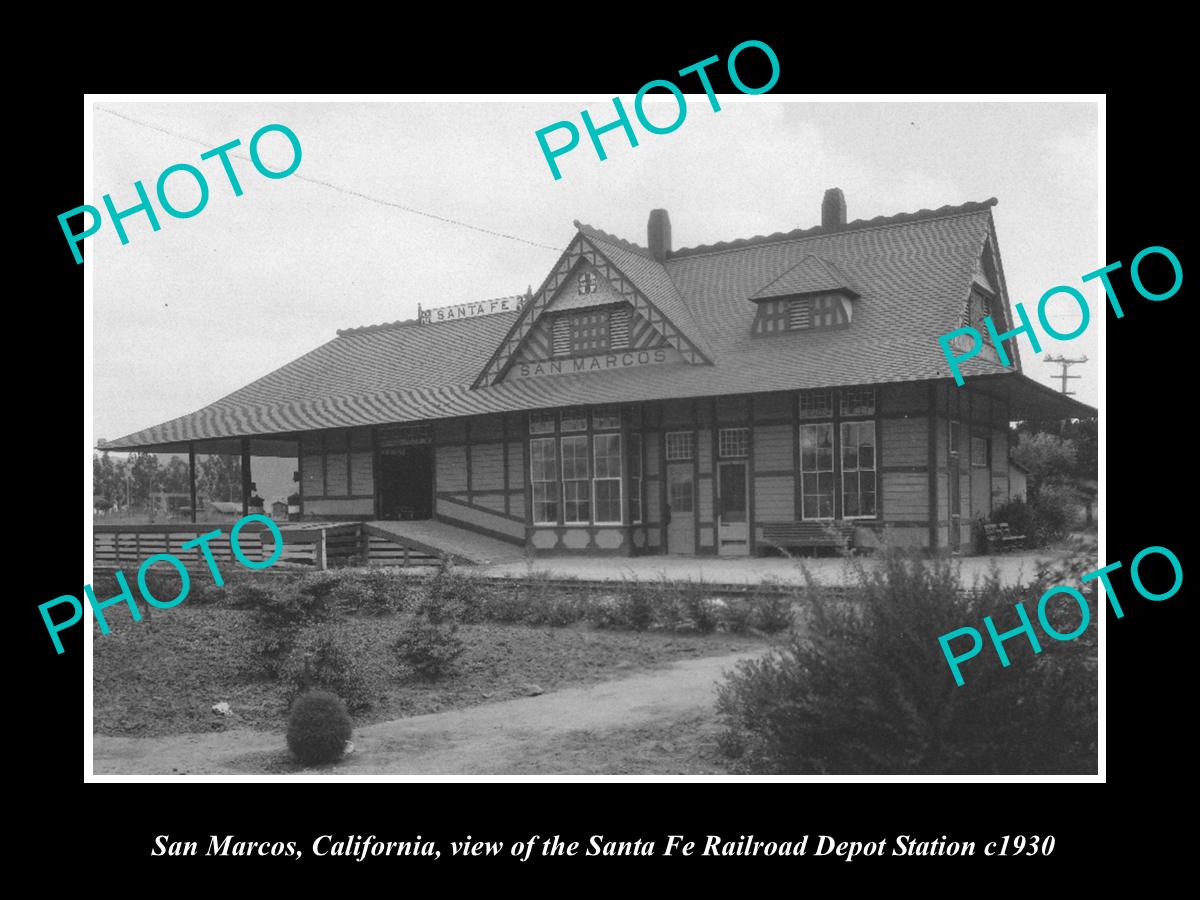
{"points": [[318, 728]]}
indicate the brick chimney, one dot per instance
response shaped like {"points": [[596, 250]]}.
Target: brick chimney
{"points": [[658, 234], [833, 210]]}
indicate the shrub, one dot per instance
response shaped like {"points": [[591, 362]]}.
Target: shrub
{"points": [[248, 592], [608, 611], [450, 596], [318, 728], [322, 658], [638, 605], [375, 592], [429, 649], [737, 615], [700, 609], [1044, 519], [503, 604], [864, 686], [774, 613], [280, 611]]}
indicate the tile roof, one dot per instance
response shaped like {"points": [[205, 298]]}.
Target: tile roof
{"points": [[913, 273], [812, 275]]}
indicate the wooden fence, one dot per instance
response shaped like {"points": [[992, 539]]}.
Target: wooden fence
{"points": [[321, 545]]}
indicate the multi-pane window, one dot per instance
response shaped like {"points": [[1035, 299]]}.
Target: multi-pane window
{"points": [[543, 479], [587, 283], [733, 442], [816, 471], [858, 469], [858, 401], [826, 311], [679, 445], [541, 423], [635, 478], [772, 317], [607, 479], [606, 417], [575, 420], [681, 493], [816, 404], [979, 452], [575, 483], [589, 331]]}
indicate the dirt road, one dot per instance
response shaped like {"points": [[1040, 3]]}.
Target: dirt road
{"points": [[573, 731]]}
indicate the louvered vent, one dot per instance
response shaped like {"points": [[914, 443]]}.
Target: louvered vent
{"points": [[800, 314], [562, 336], [618, 334]]}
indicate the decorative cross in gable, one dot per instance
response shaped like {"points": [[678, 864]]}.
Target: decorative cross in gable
{"points": [[587, 283]]}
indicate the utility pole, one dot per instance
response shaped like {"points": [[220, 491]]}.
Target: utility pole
{"points": [[1066, 364]]}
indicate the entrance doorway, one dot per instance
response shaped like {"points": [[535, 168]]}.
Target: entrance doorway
{"points": [[406, 483], [681, 507], [733, 526]]}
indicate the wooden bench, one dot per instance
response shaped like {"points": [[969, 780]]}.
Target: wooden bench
{"points": [[808, 534], [1000, 538]]}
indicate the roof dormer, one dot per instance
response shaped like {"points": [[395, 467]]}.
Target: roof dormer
{"points": [[812, 294]]}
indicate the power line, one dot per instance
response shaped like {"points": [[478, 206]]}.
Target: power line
{"points": [[339, 188]]}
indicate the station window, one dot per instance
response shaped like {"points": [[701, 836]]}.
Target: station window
{"points": [[733, 442], [679, 445]]}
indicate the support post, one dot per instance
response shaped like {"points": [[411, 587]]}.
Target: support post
{"points": [[245, 476], [192, 475]]}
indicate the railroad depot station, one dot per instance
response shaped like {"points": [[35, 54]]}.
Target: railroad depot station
{"points": [[779, 391]]}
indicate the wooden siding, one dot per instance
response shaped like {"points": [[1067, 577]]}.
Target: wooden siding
{"points": [[516, 466], [901, 398], [337, 472], [451, 467], [460, 513], [772, 447], [774, 499], [487, 466], [704, 439], [904, 442], [905, 496], [313, 482], [774, 406], [334, 506], [362, 472]]}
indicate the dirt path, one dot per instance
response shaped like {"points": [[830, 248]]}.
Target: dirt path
{"points": [[494, 739]]}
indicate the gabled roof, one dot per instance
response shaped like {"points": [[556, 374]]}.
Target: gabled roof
{"points": [[812, 275], [640, 280], [913, 273], [652, 279]]}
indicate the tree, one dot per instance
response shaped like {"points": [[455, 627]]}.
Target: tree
{"points": [[174, 477], [220, 477], [1048, 458], [104, 479], [143, 477]]}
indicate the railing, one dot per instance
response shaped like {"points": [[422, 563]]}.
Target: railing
{"points": [[117, 546], [321, 545]]}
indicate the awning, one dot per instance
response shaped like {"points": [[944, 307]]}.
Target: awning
{"points": [[1029, 399]]}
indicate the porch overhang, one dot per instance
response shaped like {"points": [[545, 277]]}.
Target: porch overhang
{"points": [[282, 446], [1029, 399]]}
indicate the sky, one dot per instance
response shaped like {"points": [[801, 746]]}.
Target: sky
{"points": [[207, 304]]}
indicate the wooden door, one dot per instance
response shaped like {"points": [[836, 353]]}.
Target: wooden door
{"points": [[681, 507], [733, 520]]}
